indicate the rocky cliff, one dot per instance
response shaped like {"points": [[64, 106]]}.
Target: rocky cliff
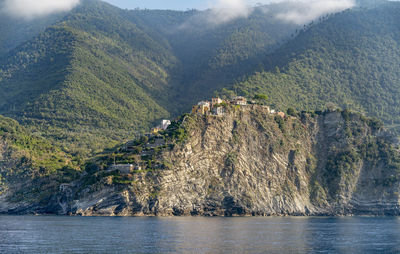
{"points": [[247, 162]]}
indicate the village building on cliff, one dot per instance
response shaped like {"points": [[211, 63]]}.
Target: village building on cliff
{"points": [[239, 100], [205, 107], [163, 126], [202, 108], [216, 102], [215, 106]]}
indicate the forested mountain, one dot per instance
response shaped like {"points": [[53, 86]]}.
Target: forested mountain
{"points": [[211, 54], [15, 31], [80, 84], [102, 74], [88, 78], [351, 59]]}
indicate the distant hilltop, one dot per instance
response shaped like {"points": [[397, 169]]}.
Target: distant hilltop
{"points": [[216, 107]]}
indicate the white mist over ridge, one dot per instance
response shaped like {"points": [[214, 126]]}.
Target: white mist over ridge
{"points": [[225, 10], [298, 11], [307, 11], [29, 9]]}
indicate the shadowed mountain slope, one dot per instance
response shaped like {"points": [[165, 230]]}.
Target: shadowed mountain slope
{"points": [[102, 74], [351, 59]]}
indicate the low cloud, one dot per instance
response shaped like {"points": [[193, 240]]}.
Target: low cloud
{"points": [[29, 9], [306, 11], [226, 10], [295, 11]]}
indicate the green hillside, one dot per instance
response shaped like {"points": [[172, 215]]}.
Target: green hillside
{"points": [[17, 31], [213, 55], [88, 80], [77, 85], [101, 74], [350, 59], [32, 155], [31, 168]]}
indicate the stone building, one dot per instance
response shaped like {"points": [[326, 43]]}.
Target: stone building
{"points": [[201, 108], [239, 100], [122, 168], [216, 101], [219, 111]]}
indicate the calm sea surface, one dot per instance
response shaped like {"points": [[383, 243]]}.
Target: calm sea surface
{"points": [[48, 234]]}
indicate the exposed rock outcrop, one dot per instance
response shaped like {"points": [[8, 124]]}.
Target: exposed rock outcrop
{"points": [[249, 162]]}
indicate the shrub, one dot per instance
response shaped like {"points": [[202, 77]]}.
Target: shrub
{"points": [[291, 112], [281, 123]]}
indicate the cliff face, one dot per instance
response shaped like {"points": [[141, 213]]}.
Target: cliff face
{"points": [[250, 162]]}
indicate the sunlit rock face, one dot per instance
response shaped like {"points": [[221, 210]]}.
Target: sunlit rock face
{"points": [[250, 162]]}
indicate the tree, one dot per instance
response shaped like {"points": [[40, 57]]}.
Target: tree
{"points": [[331, 106], [144, 140], [291, 112], [261, 98]]}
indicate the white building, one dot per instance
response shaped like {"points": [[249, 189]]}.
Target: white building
{"points": [[164, 124], [204, 104]]}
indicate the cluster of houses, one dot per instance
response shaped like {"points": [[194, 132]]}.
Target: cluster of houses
{"points": [[215, 106]]}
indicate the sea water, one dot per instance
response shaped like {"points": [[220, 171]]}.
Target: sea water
{"points": [[52, 234]]}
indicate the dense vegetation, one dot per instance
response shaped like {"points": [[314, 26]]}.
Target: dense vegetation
{"points": [[82, 83], [15, 31], [350, 59], [33, 155], [212, 55], [101, 75], [32, 168], [88, 80]]}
